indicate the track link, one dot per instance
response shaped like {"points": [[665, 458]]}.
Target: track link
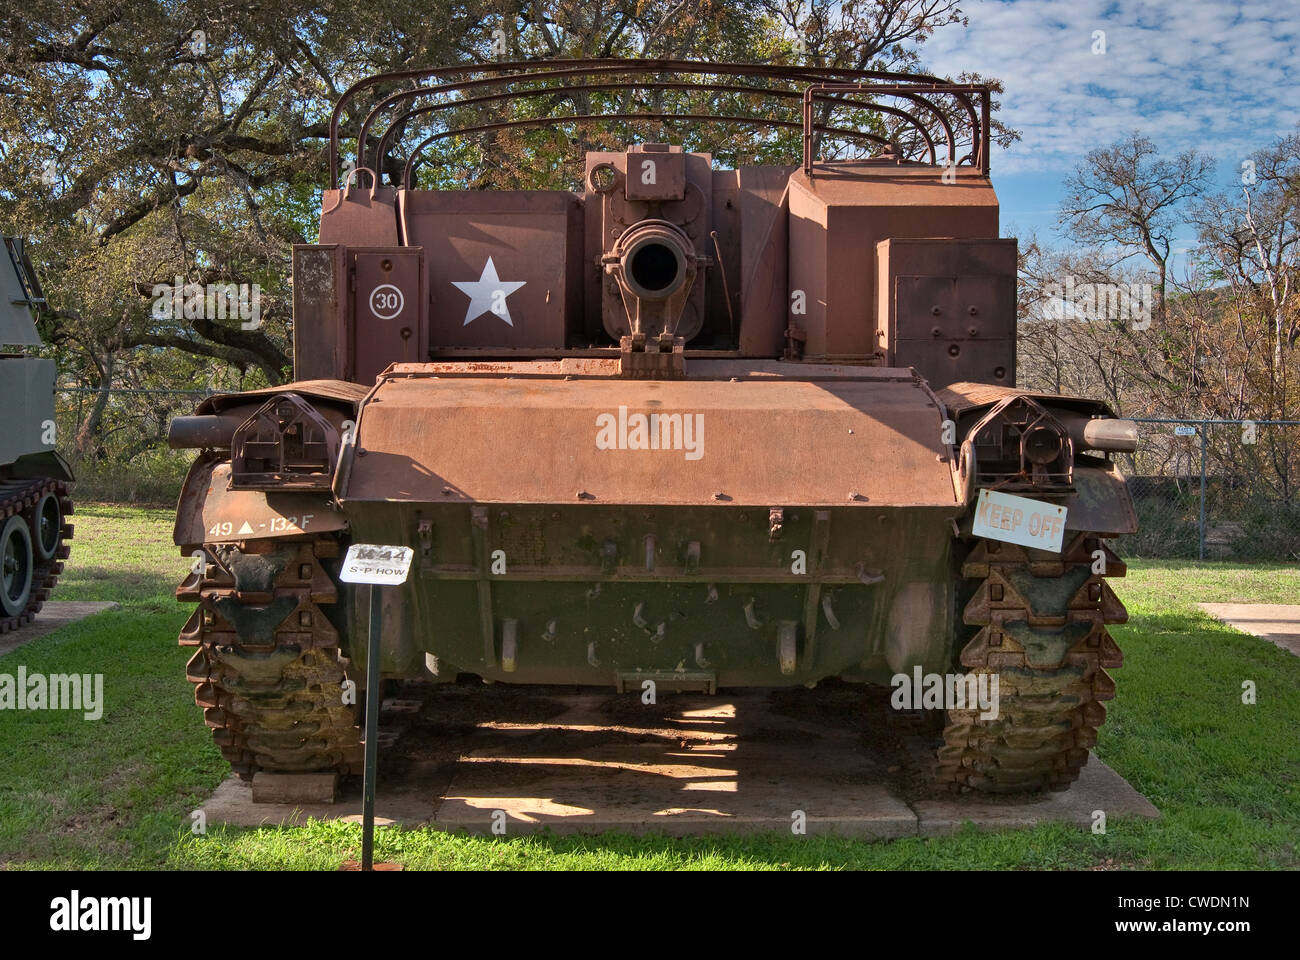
{"points": [[1041, 622], [22, 497], [267, 671]]}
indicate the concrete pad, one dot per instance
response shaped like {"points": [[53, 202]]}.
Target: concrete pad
{"points": [[584, 761], [232, 803], [732, 774], [295, 787], [53, 615], [1276, 622], [1098, 788]]}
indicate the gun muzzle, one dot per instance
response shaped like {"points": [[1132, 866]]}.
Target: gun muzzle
{"points": [[654, 260], [654, 263], [1103, 433]]}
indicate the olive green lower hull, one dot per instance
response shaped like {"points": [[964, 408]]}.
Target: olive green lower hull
{"points": [[691, 597]]}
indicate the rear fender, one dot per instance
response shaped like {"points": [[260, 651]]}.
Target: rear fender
{"points": [[210, 512], [1096, 497], [36, 465]]}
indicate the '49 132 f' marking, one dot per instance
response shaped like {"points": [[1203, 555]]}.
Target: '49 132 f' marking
{"points": [[228, 528]]}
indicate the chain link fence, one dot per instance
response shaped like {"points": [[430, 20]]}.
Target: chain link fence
{"points": [[1215, 490], [117, 442]]}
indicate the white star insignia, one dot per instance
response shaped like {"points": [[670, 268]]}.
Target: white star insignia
{"points": [[488, 294]]}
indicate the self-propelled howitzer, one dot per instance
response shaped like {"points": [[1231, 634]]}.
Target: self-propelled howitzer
{"points": [[703, 426]]}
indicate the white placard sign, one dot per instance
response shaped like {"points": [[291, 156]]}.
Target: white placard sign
{"points": [[1030, 523], [1184, 431], [376, 563]]}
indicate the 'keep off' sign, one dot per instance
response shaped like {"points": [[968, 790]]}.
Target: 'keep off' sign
{"points": [[1030, 523]]}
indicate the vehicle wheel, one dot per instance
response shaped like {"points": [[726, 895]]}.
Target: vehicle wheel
{"points": [[48, 527], [15, 566]]}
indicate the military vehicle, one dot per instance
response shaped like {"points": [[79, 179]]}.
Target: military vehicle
{"points": [[34, 478], [699, 426]]}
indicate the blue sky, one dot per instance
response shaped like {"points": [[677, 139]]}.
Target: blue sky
{"points": [[1220, 76]]}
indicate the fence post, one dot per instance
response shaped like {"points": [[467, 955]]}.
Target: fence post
{"points": [[1202, 538]]}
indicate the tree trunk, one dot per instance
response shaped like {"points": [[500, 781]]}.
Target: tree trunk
{"points": [[88, 432]]}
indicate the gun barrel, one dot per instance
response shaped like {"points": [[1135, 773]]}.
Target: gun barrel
{"points": [[193, 433], [1101, 433]]}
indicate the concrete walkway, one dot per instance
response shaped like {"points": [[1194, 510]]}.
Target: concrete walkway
{"points": [[53, 614], [1278, 622]]}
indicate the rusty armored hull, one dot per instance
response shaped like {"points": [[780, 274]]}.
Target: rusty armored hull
{"points": [[702, 427]]}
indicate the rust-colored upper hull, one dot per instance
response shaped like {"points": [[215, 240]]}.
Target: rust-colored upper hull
{"points": [[874, 440]]}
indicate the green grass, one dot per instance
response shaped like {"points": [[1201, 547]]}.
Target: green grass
{"points": [[118, 792], [110, 792]]}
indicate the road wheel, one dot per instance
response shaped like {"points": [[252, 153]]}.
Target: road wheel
{"points": [[49, 527], [15, 566]]}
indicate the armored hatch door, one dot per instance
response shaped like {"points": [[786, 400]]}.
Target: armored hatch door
{"points": [[19, 293]]}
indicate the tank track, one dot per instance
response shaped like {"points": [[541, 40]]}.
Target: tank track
{"points": [[268, 673], [22, 496], [1042, 629]]}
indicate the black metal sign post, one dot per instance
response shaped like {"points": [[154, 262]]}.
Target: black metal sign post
{"points": [[373, 683], [376, 565]]}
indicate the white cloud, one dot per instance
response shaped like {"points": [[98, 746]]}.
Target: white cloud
{"points": [[1215, 75]]}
